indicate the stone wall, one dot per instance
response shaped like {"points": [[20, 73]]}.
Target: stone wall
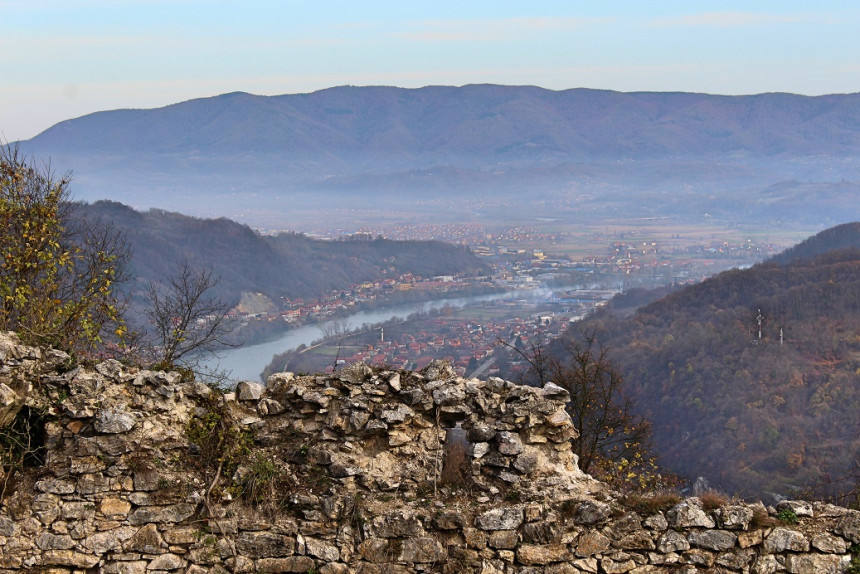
{"points": [[366, 470]]}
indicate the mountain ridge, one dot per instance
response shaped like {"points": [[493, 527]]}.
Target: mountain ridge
{"points": [[749, 377]]}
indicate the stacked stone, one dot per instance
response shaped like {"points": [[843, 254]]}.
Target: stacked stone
{"points": [[118, 492], [516, 434]]}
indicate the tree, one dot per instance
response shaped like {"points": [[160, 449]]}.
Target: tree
{"points": [[614, 443], [187, 320], [58, 275]]}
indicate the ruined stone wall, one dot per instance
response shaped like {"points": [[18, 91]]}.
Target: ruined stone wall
{"points": [[363, 471]]}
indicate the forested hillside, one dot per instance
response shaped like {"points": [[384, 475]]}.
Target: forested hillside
{"points": [[754, 414], [286, 265]]}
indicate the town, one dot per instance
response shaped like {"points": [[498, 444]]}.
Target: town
{"points": [[545, 293]]}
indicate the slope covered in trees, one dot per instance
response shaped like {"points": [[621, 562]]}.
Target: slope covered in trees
{"points": [[286, 265], [754, 413]]}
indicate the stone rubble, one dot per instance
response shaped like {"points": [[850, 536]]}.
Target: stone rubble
{"points": [[366, 470]]}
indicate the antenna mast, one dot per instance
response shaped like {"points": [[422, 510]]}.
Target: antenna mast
{"points": [[759, 318]]}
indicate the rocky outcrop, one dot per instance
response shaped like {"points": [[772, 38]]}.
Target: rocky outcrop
{"points": [[366, 470]]}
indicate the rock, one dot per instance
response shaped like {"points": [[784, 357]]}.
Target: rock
{"points": [[540, 533], [422, 550], [504, 539], [114, 508], [322, 550], [450, 520], [718, 540], [68, 558], [449, 395], [765, 564], [849, 527], [265, 544], [270, 407], [688, 514], [591, 512], [10, 404], [782, 539], [110, 368], [249, 391], [673, 541], [591, 543], [398, 414], [829, 544], [737, 559], [656, 522], [438, 370], [396, 525], [146, 540], [799, 507], [478, 449], [166, 562], [638, 540], [48, 541], [734, 517], [355, 373], [814, 564], [161, 514], [509, 443], [300, 564], [111, 421], [508, 518], [534, 554], [55, 486]]}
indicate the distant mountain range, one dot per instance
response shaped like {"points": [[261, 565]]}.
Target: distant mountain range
{"points": [[755, 411], [493, 150]]}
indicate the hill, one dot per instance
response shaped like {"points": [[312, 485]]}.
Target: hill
{"points": [[754, 413], [286, 265], [472, 152]]}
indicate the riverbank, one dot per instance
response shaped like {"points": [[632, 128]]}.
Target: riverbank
{"points": [[248, 362]]}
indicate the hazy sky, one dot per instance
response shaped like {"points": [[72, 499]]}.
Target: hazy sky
{"points": [[60, 59]]}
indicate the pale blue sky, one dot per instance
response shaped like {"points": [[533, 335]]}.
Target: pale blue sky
{"points": [[64, 58]]}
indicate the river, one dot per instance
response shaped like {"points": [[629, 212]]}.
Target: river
{"points": [[248, 362]]}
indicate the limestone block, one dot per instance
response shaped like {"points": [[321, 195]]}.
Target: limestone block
{"points": [[500, 519], [829, 544], [322, 550], [422, 550], [69, 558], [592, 542], [396, 524], [849, 527], [815, 564], [734, 517], [719, 540], [799, 507], [450, 520], [114, 421], [638, 540], [541, 554], [265, 544], [782, 539], [505, 539], [161, 514], [249, 391], [689, 513], [737, 559], [147, 540], [166, 562], [673, 541], [301, 564], [48, 541], [591, 512]]}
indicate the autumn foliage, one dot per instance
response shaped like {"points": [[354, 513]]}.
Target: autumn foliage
{"points": [[57, 278]]}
